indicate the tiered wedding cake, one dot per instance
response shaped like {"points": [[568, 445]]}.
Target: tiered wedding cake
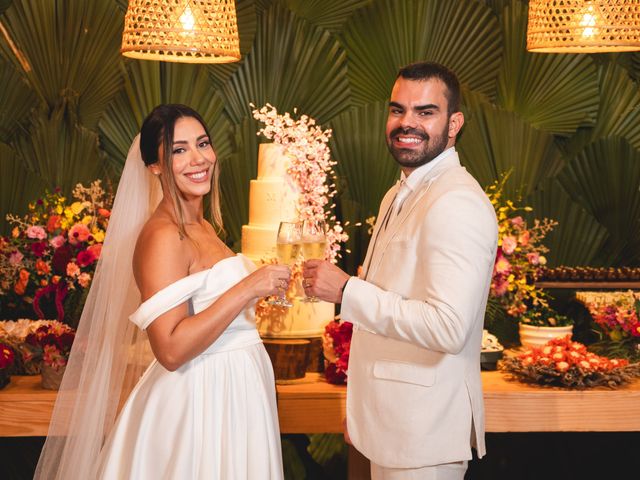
{"points": [[273, 198]]}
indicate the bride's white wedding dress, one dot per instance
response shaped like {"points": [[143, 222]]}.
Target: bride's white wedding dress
{"points": [[213, 418]]}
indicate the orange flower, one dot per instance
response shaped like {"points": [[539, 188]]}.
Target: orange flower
{"points": [[53, 223], [42, 267], [24, 275], [562, 366], [78, 233]]}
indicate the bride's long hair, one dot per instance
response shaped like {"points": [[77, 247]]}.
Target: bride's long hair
{"points": [[110, 353]]}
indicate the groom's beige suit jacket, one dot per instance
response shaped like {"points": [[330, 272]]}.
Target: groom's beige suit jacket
{"points": [[414, 393]]}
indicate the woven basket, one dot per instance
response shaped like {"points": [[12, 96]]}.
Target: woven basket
{"points": [[579, 26], [189, 31]]}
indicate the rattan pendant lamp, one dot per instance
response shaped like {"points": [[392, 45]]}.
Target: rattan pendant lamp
{"points": [[188, 31], [583, 26]]}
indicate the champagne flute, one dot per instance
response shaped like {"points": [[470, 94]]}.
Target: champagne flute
{"points": [[287, 250], [314, 244]]}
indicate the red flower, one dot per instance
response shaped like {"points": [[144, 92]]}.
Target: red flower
{"points": [[38, 248], [85, 258], [334, 375], [53, 223]]}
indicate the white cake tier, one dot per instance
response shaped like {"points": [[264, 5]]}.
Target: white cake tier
{"points": [[271, 201], [259, 243], [272, 161], [304, 319]]}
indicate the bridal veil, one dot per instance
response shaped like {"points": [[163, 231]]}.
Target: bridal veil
{"points": [[109, 353]]}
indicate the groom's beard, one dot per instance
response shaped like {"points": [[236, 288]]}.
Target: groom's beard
{"points": [[411, 158]]}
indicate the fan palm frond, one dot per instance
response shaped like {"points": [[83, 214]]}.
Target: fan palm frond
{"points": [[237, 170], [67, 50], [59, 150], [554, 92], [578, 237], [247, 26], [148, 84], [329, 14], [364, 164], [496, 141], [18, 186], [380, 38], [604, 178], [16, 101], [292, 64]]}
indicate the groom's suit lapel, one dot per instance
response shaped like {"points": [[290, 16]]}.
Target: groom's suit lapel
{"points": [[385, 235]]}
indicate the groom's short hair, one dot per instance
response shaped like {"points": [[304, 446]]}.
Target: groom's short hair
{"points": [[423, 71]]}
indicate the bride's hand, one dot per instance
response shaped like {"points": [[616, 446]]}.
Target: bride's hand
{"points": [[269, 280]]}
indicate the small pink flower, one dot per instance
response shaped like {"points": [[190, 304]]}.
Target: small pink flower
{"points": [[15, 258], [57, 241], [502, 265], [533, 258], [509, 244], [517, 221], [36, 231]]}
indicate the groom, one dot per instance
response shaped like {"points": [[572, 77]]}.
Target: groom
{"points": [[414, 396]]}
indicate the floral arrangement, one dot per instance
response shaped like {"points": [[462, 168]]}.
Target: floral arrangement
{"points": [[544, 316], [311, 164], [617, 315], [519, 256], [47, 263], [564, 363], [336, 343], [14, 333], [52, 343], [6, 362]]}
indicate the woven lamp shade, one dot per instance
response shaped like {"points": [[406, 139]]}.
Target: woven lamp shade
{"points": [[579, 26], [189, 31]]}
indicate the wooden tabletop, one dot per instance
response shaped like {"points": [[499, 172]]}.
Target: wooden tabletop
{"points": [[312, 405]]}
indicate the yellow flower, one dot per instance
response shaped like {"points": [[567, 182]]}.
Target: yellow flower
{"points": [[98, 235], [59, 209], [86, 220], [68, 213], [77, 207]]}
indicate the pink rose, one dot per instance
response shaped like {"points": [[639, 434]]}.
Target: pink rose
{"points": [[517, 221], [523, 238], [57, 241], [509, 244], [35, 231], [96, 249]]}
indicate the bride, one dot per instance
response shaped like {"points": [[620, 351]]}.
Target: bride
{"points": [[205, 407]]}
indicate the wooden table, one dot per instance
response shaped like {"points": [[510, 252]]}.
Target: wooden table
{"points": [[314, 406]]}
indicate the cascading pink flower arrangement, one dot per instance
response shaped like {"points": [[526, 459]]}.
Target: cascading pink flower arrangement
{"points": [[311, 166]]}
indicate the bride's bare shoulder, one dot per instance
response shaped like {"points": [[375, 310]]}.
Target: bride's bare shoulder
{"points": [[160, 257]]}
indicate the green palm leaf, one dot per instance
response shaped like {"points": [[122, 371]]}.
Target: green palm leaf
{"points": [[604, 178], [379, 39], [71, 50], [619, 109], [148, 84], [18, 186], [16, 100], [237, 170], [292, 64], [496, 141], [247, 25], [58, 150], [364, 164], [329, 14], [554, 92], [578, 237]]}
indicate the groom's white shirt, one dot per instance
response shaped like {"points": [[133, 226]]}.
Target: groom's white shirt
{"points": [[414, 393]]}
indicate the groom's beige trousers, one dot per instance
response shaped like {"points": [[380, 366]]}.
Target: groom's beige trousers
{"points": [[448, 471]]}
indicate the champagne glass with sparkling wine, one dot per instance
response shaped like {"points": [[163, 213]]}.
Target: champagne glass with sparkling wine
{"points": [[314, 243], [287, 249]]}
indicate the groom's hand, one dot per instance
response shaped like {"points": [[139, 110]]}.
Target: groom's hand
{"points": [[323, 280]]}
